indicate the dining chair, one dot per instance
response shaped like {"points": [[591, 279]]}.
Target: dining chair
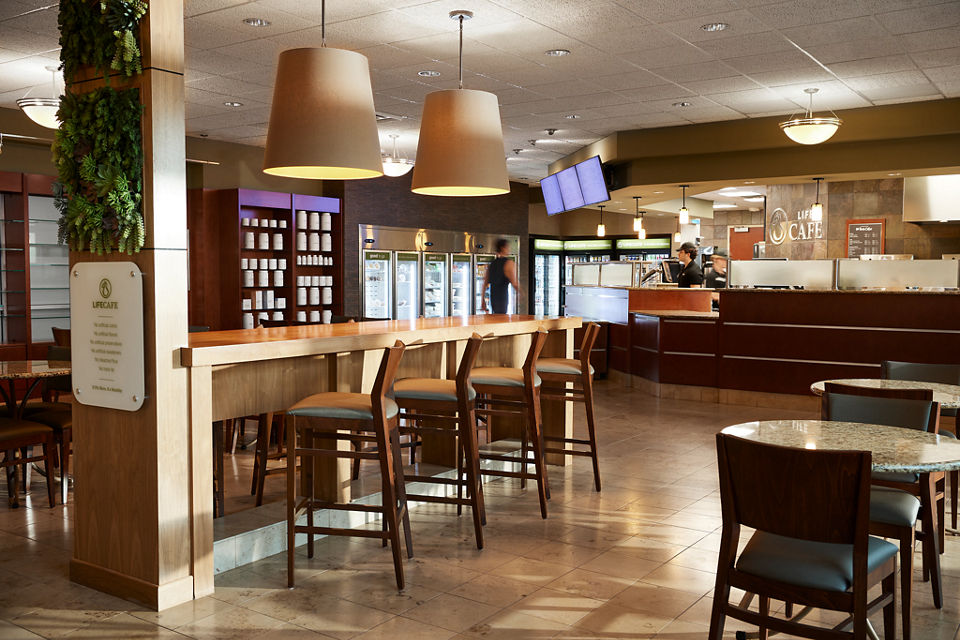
{"points": [[810, 512], [898, 499], [61, 337], [447, 408], [515, 392], [22, 435], [571, 380], [321, 421], [944, 374]]}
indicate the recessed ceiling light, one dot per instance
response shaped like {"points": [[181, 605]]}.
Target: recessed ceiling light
{"points": [[256, 22], [683, 104], [572, 116], [754, 199], [557, 53], [428, 73], [893, 175], [724, 205], [714, 26], [658, 192], [749, 182], [233, 104]]}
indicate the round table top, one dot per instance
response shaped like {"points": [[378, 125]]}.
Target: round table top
{"points": [[948, 395], [893, 448], [28, 369]]}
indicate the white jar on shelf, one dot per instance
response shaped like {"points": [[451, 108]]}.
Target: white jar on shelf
{"points": [[314, 295], [264, 263], [268, 299], [314, 218], [273, 224], [327, 295], [325, 221], [327, 316], [315, 316], [301, 316], [315, 281], [301, 219], [272, 263], [282, 264], [263, 278], [248, 240], [282, 224], [248, 321], [281, 303], [278, 278], [264, 242], [301, 241], [258, 299], [246, 304], [243, 263], [314, 244], [301, 296], [248, 278], [254, 222], [278, 242], [326, 243], [244, 222], [278, 315]]}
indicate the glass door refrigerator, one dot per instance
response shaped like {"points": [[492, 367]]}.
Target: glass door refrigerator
{"points": [[460, 270], [545, 286], [481, 294], [435, 285], [576, 251], [407, 295], [377, 285]]}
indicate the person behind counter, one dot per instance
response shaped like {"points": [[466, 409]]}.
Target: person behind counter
{"points": [[716, 275], [691, 277]]}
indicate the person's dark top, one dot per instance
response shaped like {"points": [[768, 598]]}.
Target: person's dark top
{"points": [[714, 280], [499, 285], [690, 275]]}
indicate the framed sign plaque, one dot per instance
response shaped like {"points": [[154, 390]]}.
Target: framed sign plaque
{"points": [[864, 237], [106, 334]]}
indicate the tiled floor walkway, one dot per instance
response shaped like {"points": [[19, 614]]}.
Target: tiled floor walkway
{"points": [[635, 561]]}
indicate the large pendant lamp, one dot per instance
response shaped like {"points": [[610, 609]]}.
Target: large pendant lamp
{"points": [[460, 152], [684, 213], [809, 129], [638, 221], [322, 121], [816, 209], [601, 228]]}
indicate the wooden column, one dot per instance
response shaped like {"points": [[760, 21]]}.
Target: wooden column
{"points": [[135, 503]]}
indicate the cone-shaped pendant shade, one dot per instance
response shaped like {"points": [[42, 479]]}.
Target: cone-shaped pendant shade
{"points": [[322, 121], [460, 152]]}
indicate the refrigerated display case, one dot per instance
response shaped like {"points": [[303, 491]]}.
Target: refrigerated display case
{"points": [[435, 285], [377, 285], [481, 262], [407, 291], [460, 301], [546, 290], [646, 250], [577, 251]]}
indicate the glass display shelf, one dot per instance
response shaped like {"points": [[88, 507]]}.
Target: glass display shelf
{"points": [[49, 264], [11, 220], [38, 317], [48, 244], [4, 314], [49, 288], [11, 291], [11, 248], [43, 220], [13, 270]]}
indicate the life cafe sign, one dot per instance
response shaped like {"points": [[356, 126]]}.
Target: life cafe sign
{"points": [[106, 329], [800, 228]]}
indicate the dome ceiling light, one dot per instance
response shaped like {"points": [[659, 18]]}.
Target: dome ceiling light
{"points": [[810, 129], [395, 166], [43, 111]]}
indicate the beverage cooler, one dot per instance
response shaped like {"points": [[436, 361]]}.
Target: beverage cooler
{"points": [[435, 284], [377, 284], [646, 250], [546, 290], [408, 285], [481, 263], [577, 251], [460, 270]]}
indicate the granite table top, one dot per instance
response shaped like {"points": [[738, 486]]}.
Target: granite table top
{"points": [[30, 369], [948, 395], [893, 448]]}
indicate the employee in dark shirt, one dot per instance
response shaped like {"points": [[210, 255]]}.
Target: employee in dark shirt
{"points": [[716, 276], [501, 273], [691, 277]]}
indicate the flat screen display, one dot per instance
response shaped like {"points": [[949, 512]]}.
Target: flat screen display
{"points": [[570, 188], [593, 187], [551, 195]]}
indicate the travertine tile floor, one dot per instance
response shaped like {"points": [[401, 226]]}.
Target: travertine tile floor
{"points": [[635, 561]]}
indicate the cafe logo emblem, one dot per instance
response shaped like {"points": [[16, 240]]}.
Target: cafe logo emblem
{"points": [[778, 226], [105, 288]]}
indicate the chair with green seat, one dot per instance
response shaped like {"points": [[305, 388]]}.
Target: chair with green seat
{"points": [[447, 408], [810, 511], [317, 425], [897, 499], [944, 374], [515, 393], [571, 380]]}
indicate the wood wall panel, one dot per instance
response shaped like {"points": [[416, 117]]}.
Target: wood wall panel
{"points": [[780, 376], [669, 299], [688, 369], [694, 336]]}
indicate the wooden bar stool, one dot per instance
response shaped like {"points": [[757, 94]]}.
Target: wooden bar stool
{"points": [[447, 407], [556, 373], [332, 417], [508, 391]]}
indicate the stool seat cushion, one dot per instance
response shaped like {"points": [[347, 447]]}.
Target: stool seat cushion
{"points": [[345, 406], [429, 389], [16, 429], [58, 419], [500, 376], [816, 565], [566, 366], [904, 477], [893, 506]]}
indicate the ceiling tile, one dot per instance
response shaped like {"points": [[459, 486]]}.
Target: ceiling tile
{"points": [[662, 10], [753, 101], [774, 61], [739, 23], [849, 30], [922, 18], [196, 7], [740, 46], [26, 42], [870, 66], [809, 75], [805, 12], [721, 85], [844, 50], [564, 89], [631, 80], [638, 39], [660, 92], [668, 56], [927, 40], [936, 58], [699, 71]]}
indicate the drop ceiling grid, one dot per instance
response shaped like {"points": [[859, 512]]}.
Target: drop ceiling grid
{"points": [[632, 60]]}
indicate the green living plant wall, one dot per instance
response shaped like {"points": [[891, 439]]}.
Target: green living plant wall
{"points": [[98, 149]]}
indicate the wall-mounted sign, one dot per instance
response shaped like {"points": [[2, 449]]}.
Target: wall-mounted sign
{"points": [[864, 237], [106, 333], [587, 245], [796, 228], [646, 243], [543, 244]]}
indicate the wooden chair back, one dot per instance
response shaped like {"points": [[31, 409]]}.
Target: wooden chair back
{"points": [[61, 337], [537, 340], [907, 408], [942, 373], [269, 324], [586, 347], [386, 375], [821, 496], [467, 361]]}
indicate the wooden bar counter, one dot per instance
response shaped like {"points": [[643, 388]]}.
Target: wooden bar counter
{"points": [[248, 372]]}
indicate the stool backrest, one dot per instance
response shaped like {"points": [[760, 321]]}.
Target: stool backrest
{"points": [[943, 373], [537, 339], [586, 347], [61, 337], [389, 365], [907, 408], [822, 496], [467, 361]]}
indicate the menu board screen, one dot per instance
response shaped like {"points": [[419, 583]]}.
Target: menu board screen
{"points": [[864, 237], [570, 188], [592, 185], [551, 195]]}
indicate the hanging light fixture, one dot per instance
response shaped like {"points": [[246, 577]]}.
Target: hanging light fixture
{"points": [[808, 129], [684, 213], [601, 228], [460, 152], [816, 209], [43, 111], [638, 221], [322, 122], [395, 166]]}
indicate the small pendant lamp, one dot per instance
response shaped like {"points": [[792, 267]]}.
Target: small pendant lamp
{"points": [[322, 121], [684, 213], [816, 209], [601, 228], [395, 166], [638, 221], [460, 152], [676, 236]]}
